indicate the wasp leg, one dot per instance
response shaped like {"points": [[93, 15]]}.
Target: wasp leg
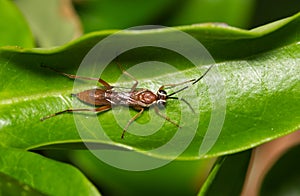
{"points": [[71, 76], [194, 81], [130, 76], [165, 117], [131, 121], [177, 84], [100, 109]]}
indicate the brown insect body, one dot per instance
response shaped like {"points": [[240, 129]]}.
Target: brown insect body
{"points": [[106, 97], [136, 99], [93, 97]]}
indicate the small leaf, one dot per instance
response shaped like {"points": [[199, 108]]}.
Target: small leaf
{"points": [[42, 174]]}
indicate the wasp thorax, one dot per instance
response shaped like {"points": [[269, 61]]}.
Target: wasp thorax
{"points": [[147, 97]]}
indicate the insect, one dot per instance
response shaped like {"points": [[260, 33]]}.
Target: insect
{"points": [[139, 99]]}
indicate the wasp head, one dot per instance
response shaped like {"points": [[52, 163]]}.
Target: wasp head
{"points": [[161, 98]]}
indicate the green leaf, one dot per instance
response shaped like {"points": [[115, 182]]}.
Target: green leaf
{"points": [[14, 29], [32, 173], [227, 175], [53, 23], [262, 91], [284, 176]]}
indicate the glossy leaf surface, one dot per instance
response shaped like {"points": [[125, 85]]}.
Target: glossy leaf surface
{"points": [[260, 69]]}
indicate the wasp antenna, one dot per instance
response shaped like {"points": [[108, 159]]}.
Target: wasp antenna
{"points": [[203, 74], [172, 97], [194, 82], [178, 91], [51, 68], [185, 101]]}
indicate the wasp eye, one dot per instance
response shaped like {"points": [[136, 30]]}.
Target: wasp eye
{"points": [[162, 93]]}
